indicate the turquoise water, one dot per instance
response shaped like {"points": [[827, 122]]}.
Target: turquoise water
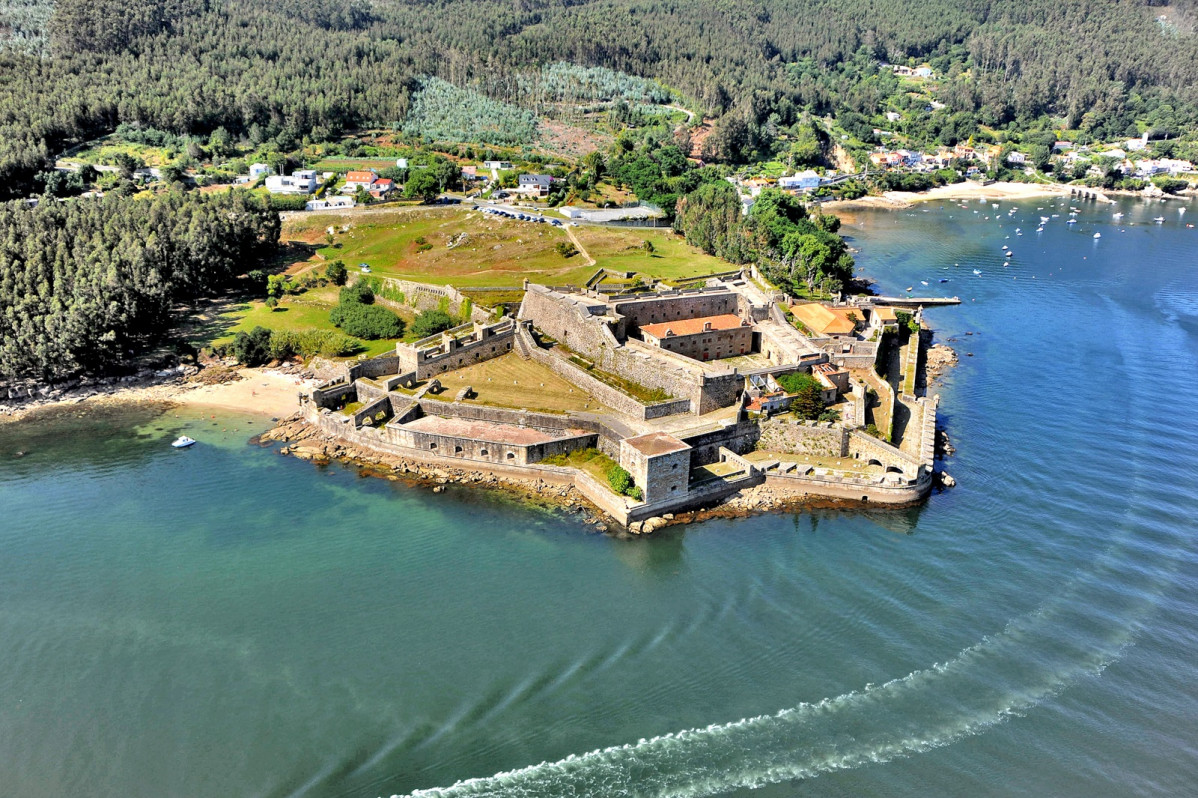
{"points": [[224, 621]]}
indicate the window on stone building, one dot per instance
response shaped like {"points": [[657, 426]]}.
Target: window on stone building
{"points": [[457, 450], [483, 452], [432, 446]]}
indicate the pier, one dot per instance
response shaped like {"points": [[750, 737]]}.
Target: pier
{"points": [[915, 301]]}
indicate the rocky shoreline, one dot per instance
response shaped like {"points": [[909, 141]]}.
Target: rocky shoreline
{"points": [[305, 441]]}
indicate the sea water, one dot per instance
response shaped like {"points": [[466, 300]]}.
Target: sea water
{"points": [[223, 621]]}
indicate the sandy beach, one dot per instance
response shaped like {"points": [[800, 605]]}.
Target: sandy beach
{"points": [[266, 392], [956, 191]]}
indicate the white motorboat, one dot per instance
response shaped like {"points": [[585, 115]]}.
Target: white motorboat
{"points": [[182, 442], [1098, 235]]}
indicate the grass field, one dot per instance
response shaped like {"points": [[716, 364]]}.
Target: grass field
{"points": [[490, 251], [621, 249], [415, 245], [508, 381], [307, 311]]}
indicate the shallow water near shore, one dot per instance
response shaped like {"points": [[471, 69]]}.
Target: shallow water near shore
{"points": [[223, 621]]}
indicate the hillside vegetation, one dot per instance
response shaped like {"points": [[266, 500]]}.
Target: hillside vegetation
{"points": [[290, 69]]}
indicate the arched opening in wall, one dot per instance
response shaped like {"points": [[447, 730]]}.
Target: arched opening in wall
{"points": [[457, 450], [483, 452], [511, 455], [864, 498], [508, 347], [432, 446], [893, 470], [874, 461]]}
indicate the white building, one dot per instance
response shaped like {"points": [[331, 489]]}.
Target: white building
{"points": [[301, 182], [330, 203], [402, 163], [803, 181], [259, 170]]}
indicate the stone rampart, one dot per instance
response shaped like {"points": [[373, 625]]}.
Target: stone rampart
{"points": [[850, 488], [453, 349], [740, 437], [804, 438], [424, 296], [667, 307], [335, 395], [380, 366], [867, 447], [378, 411]]}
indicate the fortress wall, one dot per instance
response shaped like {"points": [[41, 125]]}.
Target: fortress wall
{"points": [[810, 438], [866, 447], [719, 391], [576, 375], [380, 366], [639, 312], [424, 296], [562, 320], [467, 355], [372, 409], [857, 490], [368, 393], [335, 396], [705, 446]]}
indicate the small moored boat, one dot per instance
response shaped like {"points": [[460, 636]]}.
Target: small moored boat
{"points": [[182, 442]]}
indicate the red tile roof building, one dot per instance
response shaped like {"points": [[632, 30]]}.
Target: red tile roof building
{"points": [[704, 338]]}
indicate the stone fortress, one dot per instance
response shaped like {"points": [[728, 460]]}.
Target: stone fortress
{"points": [[684, 386]]}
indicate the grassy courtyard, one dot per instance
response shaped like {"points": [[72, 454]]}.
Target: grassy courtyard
{"points": [[509, 381]]}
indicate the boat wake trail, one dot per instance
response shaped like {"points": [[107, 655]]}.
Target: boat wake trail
{"points": [[929, 708]]}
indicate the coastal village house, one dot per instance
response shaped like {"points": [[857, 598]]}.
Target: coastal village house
{"points": [[359, 179], [303, 181], [803, 181], [537, 185]]}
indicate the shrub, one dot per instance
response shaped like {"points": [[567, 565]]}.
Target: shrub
{"points": [[337, 273], [566, 249], [252, 348], [360, 293], [619, 479], [307, 343], [366, 321], [431, 322]]}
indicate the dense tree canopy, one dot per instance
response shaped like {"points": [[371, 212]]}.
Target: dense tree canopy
{"points": [[84, 283], [289, 69]]}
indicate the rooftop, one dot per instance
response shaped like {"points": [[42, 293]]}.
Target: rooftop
{"points": [[823, 320], [652, 444], [664, 329]]}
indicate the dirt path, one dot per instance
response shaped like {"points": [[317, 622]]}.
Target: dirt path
{"points": [[578, 244]]}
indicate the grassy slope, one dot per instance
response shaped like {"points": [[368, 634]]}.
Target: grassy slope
{"points": [[499, 252]]}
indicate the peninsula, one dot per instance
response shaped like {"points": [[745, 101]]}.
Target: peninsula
{"points": [[654, 402]]}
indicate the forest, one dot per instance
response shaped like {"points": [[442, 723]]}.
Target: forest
{"points": [[85, 284], [290, 70]]}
